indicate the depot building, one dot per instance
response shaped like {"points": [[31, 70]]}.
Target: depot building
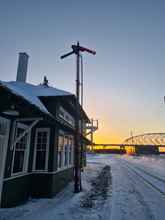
{"points": [[37, 128]]}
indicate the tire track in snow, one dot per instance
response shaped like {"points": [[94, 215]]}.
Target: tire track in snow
{"points": [[152, 175], [140, 198], [146, 180]]}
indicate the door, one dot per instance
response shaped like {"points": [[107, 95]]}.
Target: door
{"points": [[4, 136]]}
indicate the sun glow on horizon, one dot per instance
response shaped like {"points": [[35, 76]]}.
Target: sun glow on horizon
{"points": [[104, 138]]}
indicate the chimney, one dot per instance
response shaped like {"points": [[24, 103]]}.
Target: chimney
{"points": [[22, 67]]}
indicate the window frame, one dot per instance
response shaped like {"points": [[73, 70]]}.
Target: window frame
{"points": [[47, 149], [61, 152], [67, 152], [26, 150], [71, 150]]}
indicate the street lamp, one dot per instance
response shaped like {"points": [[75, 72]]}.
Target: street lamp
{"points": [[76, 49]]}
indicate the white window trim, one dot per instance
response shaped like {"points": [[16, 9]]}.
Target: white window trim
{"points": [[61, 133], [27, 131], [72, 151], [65, 147], [4, 155], [47, 149], [27, 150], [68, 165]]}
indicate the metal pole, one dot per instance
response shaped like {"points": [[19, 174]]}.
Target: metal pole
{"points": [[77, 171], [92, 135], [82, 82], [77, 182], [82, 152]]}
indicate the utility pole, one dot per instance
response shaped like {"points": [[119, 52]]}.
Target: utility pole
{"points": [[82, 122], [76, 49]]}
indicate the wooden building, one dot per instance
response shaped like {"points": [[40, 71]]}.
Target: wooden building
{"points": [[37, 127]]}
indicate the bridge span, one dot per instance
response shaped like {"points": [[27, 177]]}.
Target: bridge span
{"points": [[143, 143], [129, 145]]}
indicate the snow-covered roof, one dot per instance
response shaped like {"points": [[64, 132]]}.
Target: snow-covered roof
{"points": [[31, 93]]}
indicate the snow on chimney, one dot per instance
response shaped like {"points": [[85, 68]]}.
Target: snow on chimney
{"points": [[22, 67]]}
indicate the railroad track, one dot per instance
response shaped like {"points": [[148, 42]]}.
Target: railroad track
{"points": [[155, 182]]}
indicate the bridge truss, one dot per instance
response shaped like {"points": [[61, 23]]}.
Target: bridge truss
{"points": [[155, 139], [147, 139]]}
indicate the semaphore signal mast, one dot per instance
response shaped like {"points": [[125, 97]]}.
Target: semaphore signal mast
{"points": [[77, 49]]}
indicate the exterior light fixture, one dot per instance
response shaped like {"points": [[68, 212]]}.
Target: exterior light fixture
{"points": [[12, 111]]}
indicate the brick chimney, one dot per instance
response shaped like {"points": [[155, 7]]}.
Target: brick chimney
{"points": [[22, 67]]}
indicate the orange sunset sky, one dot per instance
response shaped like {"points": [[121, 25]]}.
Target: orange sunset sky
{"points": [[123, 83]]}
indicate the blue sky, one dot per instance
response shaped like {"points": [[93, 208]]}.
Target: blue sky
{"points": [[124, 82]]}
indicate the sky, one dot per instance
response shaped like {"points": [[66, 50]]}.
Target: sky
{"points": [[123, 83]]}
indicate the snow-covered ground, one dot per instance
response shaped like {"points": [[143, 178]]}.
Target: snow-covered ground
{"points": [[114, 187], [90, 204], [138, 185]]}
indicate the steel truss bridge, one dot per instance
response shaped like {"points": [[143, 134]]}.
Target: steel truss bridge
{"points": [[147, 139]]}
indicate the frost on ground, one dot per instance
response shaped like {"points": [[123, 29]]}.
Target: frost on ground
{"points": [[152, 163], [90, 204], [136, 191], [138, 186]]}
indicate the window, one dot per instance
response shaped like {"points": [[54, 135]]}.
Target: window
{"points": [[60, 150], [71, 153], [20, 151], [41, 149], [65, 151]]}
